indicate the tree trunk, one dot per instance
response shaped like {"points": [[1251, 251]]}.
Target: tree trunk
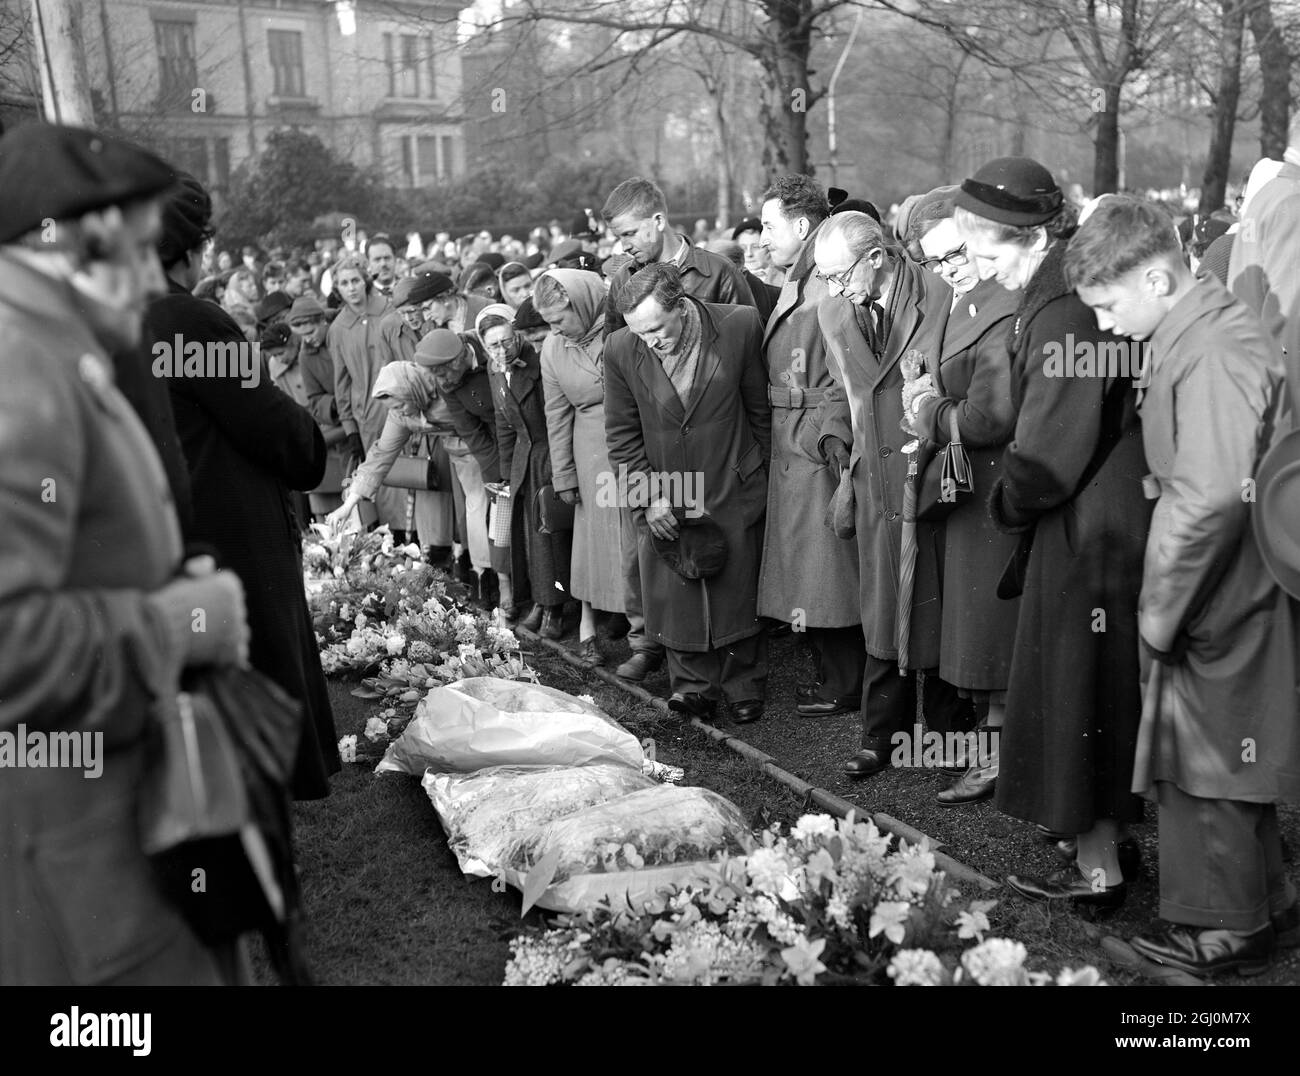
{"points": [[785, 67], [61, 61], [1275, 73], [1232, 29], [1105, 163], [722, 160], [952, 108]]}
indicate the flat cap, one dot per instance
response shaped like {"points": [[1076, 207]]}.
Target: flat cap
{"points": [[438, 347], [60, 173], [305, 308], [420, 288]]}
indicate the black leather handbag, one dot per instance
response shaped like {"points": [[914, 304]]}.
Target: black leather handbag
{"points": [[946, 481]]}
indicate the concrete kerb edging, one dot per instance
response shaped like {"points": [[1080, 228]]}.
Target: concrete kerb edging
{"points": [[830, 802]]}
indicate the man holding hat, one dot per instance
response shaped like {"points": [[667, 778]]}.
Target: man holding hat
{"points": [[1219, 742], [95, 604]]}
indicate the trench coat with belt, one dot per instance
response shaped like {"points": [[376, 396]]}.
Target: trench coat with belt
{"points": [[87, 530], [805, 566], [864, 410], [1223, 722], [721, 438]]}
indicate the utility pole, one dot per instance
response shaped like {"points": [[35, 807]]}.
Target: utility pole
{"points": [[61, 60], [830, 98]]}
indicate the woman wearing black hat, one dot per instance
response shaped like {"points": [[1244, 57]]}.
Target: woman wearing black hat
{"points": [[1071, 487]]}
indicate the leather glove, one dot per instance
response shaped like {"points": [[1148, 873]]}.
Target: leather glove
{"points": [[569, 496], [354, 446], [836, 452], [207, 617]]}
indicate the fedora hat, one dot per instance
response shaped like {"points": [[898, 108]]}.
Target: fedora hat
{"points": [[1275, 512], [699, 550]]}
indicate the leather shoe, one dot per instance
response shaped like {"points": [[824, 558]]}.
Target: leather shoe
{"points": [[533, 620], [639, 666], [1208, 952], [552, 623], [1286, 925], [692, 704], [590, 652], [742, 713], [865, 763], [971, 787], [815, 707], [1127, 851], [806, 689], [618, 627], [1068, 884]]}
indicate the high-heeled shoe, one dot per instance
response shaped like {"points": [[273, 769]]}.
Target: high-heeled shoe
{"points": [[1069, 883]]}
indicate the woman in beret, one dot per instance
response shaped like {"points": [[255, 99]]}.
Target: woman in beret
{"points": [[539, 561], [1071, 489], [573, 377]]}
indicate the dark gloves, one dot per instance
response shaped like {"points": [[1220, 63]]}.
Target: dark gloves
{"points": [[354, 446], [569, 496], [836, 451]]}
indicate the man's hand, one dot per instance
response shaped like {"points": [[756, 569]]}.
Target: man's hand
{"points": [[661, 521], [837, 452], [569, 496]]}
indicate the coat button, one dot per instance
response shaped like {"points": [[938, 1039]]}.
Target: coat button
{"points": [[891, 514], [885, 450], [879, 391]]}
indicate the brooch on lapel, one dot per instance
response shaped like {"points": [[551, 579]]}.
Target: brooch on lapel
{"points": [[94, 373], [973, 311]]}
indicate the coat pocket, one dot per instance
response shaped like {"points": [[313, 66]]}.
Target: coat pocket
{"points": [[101, 900], [750, 461]]}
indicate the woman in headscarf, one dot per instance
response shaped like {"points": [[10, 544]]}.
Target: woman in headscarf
{"points": [[516, 283], [573, 377], [539, 561], [239, 299]]}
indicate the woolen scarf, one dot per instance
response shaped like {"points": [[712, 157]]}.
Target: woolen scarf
{"points": [[681, 363]]}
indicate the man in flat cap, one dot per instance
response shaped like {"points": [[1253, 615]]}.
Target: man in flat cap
{"points": [[94, 618], [308, 323]]}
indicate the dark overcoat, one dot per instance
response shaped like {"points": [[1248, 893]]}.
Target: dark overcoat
{"points": [[805, 566], [721, 437], [709, 277], [474, 416], [865, 410], [1074, 699], [87, 531], [247, 447], [979, 628], [539, 563]]}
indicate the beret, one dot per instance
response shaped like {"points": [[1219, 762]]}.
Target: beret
{"points": [[305, 307], [275, 335], [420, 288], [527, 317], [61, 173], [277, 302], [749, 224], [438, 347]]}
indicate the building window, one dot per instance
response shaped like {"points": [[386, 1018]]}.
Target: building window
{"points": [[409, 59], [448, 165], [177, 71], [425, 158], [286, 63]]}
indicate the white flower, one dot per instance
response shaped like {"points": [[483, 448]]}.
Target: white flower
{"points": [[338, 571], [916, 967], [813, 825], [376, 729], [889, 917], [911, 872], [767, 869], [996, 962], [360, 621], [395, 644], [820, 865], [466, 651], [972, 924], [348, 749], [1086, 976], [587, 699], [801, 960], [345, 611]]}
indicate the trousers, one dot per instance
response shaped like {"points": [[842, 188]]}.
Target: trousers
{"points": [[736, 672], [889, 704], [632, 604]]}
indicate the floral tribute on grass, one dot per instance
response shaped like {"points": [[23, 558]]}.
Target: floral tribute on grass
{"points": [[379, 612], [829, 903]]}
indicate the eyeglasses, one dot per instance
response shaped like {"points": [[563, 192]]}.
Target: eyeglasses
{"points": [[954, 259], [503, 345], [841, 280]]}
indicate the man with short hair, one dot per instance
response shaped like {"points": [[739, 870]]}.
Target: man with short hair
{"points": [[307, 323], [637, 214], [810, 576], [879, 306], [686, 409], [381, 260], [298, 278], [1218, 632]]}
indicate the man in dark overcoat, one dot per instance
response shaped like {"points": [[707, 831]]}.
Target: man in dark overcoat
{"points": [[686, 411], [881, 305]]}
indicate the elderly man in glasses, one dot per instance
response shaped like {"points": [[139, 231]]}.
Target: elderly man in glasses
{"points": [[880, 307]]}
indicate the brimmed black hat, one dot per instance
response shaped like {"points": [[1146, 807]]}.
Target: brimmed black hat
{"points": [[699, 550], [1012, 190], [583, 227], [49, 172], [420, 288], [749, 224], [840, 202], [527, 317]]}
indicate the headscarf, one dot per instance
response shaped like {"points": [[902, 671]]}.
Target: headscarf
{"points": [[403, 381], [586, 292], [501, 275], [499, 310]]}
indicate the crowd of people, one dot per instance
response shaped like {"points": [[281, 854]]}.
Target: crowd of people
{"points": [[1020, 467]]}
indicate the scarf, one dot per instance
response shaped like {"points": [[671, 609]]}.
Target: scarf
{"points": [[586, 292], [403, 381], [681, 363], [496, 364]]}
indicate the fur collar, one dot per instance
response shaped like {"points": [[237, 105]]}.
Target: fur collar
{"points": [[1046, 284]]}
